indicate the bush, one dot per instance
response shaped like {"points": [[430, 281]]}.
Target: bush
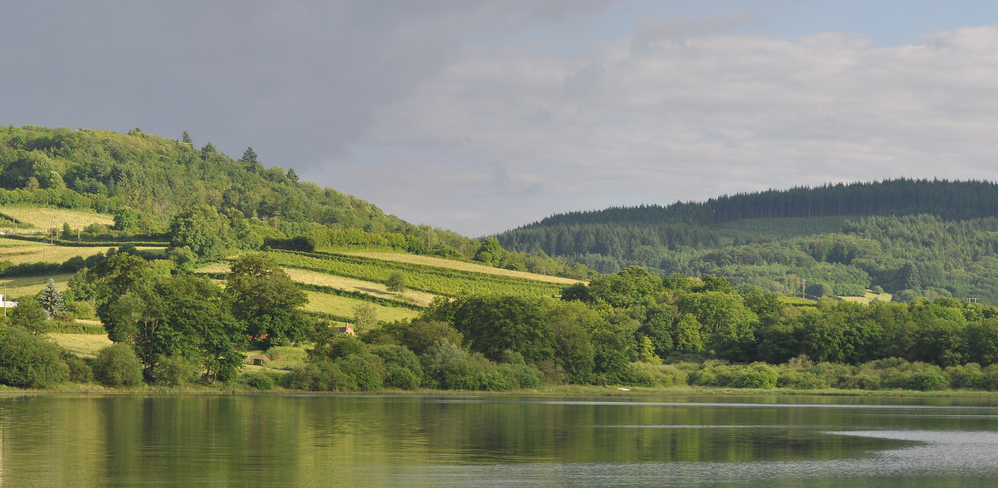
{"points": [[925, 381], [448, 366], [801, 381], [117, 365], [79, 370], [664, 375], [402, 368], [401, 378], [319, 375], [174, 370], [756, 375], [967, 376], [30, 361], [366, 370], [259, 381]]}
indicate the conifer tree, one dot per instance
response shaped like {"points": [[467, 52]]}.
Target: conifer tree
{"points": [[51, 300]]}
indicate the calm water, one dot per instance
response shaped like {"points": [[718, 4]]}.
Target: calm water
{"points": [[275, 441]]}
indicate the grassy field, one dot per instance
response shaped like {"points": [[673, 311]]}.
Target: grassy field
{"points": [[30, 285], [869, 297], [351, 284], [344, 307], [19, 252], [459, 265], [41, 219], [276, 358], [83, 345]]}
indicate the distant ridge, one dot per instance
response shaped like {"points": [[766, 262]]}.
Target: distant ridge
{"points": [[911, 237], [951, 200]]}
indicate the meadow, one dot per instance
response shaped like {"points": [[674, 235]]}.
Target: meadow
{"points": [[39, 219]]}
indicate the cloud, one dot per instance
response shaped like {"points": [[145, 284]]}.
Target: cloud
{"points": [[300, 81], [713, 114], [480, 116], [678, 29]]}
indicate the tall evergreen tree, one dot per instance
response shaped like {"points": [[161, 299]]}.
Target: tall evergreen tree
{"points": [[51, 300]]}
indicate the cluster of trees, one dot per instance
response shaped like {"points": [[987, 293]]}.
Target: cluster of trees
{"points": [[636, 328], [186, 323]]}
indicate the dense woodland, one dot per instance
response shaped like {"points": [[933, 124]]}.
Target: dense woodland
{"points": [[909, 237]]}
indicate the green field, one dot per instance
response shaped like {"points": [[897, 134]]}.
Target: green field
{"points": [[343, 307], [350, 284], [83, 345], [425, 278], [31, 285], [40, 219], [436, 262]]}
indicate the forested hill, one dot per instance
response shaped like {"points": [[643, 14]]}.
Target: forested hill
{"points": [[951, 200], [146, 180], [156, 177], [910, 237]]}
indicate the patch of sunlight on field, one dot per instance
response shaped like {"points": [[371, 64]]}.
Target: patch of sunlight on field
{"points": [[869, 297], [458, 265], [47, 218], [344, 307], [276, 358], [31, 285], [361, 286], [19, 252], [35, 252], [83, 345], [214, 268]]}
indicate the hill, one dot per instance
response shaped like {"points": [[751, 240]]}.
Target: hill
{"points": [[909, 237]]}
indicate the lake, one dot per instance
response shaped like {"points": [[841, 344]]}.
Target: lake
{"points": [[483, 441]]}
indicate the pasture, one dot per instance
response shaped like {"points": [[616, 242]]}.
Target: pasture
{"points": [[436, 262], [40, 219]]}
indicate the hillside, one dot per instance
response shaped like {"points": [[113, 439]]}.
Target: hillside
{"points": [[909, 237]]}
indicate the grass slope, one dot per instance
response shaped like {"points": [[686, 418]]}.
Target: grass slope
{"points": [[459, 265], [41, 218]]}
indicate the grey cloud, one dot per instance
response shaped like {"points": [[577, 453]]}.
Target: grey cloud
{"points": [[649, 30], [715, 114]]}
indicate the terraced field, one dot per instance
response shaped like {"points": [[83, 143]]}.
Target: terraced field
{"points": [[436, 262]]}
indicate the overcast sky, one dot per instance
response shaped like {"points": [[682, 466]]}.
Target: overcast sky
{"points": [[481, 116]]}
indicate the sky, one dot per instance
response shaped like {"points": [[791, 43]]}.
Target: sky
{"points": [[481, 116]]}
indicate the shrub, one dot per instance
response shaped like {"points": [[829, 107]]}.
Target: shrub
{"points": [[925, 381], [664, 375], [402, 368], [448, 366], [520, 375], [756, 375], [319, 375], [366, 370], [401, 378], [29, 315], [30, 361], [174, 370], [117, 365], [259, 381], [864, 380], [79, 370], [967, 376]]}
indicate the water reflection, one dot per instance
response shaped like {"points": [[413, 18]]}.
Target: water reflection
{"points": [[488, 441]]}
